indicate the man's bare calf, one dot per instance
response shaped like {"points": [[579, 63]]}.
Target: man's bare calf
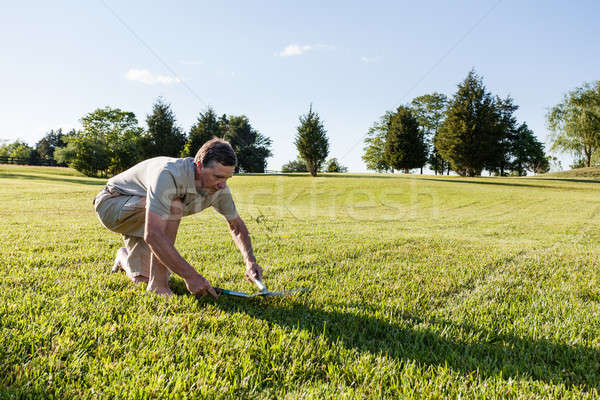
{"points": [[121, 264]]}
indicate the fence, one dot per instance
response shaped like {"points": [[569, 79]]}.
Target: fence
{"points": [[28, 161]]}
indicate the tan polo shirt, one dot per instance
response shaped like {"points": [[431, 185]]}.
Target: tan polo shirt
{"points": [[164, 179]]}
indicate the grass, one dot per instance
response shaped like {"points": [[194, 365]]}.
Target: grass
{"points": [[423, 287], [590, 172]]}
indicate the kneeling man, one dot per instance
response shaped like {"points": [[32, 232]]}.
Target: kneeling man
{"points": [[146, 203]]}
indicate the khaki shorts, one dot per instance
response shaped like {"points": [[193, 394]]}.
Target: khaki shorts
{"points": [[126, 215]]}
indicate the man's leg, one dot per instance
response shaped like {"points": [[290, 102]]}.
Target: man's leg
{"points": [[159, 273], [134, 259], [125, 215]]}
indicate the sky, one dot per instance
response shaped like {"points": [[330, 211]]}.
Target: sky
{"points": [[269, 60]]}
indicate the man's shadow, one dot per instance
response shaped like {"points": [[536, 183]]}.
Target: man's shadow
{"points": [[489, 353]]}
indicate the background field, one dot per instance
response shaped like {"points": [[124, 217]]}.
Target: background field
{"points": [[431, 287]]}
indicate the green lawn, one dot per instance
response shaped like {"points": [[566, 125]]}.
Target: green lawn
{"points": [[423, 287]]}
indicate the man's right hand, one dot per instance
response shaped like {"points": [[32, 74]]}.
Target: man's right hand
{"points": [[198, 285]]}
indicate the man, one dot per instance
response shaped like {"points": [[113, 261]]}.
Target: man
{"points": [[146, 203]]}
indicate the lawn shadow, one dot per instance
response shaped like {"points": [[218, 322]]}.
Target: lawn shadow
{"points": [[491, 354], [83, 181]]}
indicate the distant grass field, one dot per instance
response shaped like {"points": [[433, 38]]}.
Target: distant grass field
{"points": [[423, 287], [591, 172]]}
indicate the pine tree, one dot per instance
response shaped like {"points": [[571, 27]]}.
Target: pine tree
{"points": [[468, 136], [164, 137], [206, 127], [250, 146], [311, 141], [405, 146]]}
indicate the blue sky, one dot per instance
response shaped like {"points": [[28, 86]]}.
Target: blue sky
{"points": [[270, 59]]}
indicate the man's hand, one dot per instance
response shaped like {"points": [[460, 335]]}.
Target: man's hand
{"points": [[253, 271], [198, 285]]}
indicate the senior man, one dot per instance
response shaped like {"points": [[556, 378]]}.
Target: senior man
{"points": [[146, 203]]}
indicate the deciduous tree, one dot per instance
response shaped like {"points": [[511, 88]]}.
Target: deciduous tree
{"points": [[374, 156], [575, 122], [430, 112], [295, 166]]}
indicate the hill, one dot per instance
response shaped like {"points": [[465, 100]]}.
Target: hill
{"points": [[592, 173]]}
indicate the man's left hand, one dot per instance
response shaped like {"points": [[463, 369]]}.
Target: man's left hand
{"points": [[253, 271]]}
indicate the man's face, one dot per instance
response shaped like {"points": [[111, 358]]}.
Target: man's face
{"points": [[214, 177]]}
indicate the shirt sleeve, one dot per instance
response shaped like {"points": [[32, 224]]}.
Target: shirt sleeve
{"points": [[224, 205], [162, 190]]}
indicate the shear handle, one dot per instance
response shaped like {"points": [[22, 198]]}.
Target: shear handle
{"points": [[260, 285]]}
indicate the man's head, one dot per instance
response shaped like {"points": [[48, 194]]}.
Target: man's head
{"points": [[216, 150], [215, 163]]}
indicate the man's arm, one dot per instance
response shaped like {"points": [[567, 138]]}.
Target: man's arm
{"points": [[156, 236], [241, 237]]}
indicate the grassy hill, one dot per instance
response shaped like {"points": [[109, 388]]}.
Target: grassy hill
{"points": [[423, 287], [592, 172]]}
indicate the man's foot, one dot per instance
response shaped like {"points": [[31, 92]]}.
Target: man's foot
{"points": [[160, 290], [120, 260]]}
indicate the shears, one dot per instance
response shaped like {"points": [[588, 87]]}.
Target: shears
{"points": [[264, 292]]}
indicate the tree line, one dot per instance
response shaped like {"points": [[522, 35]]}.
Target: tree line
{"points": [[467, 133], [470, 132], [111, 140]]}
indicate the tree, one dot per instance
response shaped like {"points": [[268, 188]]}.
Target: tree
{"points": [[206, 127], [430, 112], [374, 156], [467, 137], [527, 152], [333, 165], [405, 146], [501, 136], [311, 141], [117, 131], [107, 145], [164, 137], [85, 153], [295, 166], [251, 147], [53, 140], [18, 149], [575, 122]]}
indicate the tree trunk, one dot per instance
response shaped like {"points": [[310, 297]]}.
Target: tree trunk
{"points": [[588, 157], [406, 170]]}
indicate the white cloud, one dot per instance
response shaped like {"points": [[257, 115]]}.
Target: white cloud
{"points": [[296, 49], [148, 78], [369, 60]]}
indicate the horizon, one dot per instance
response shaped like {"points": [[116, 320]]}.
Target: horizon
{"points": [[269, 63]]}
